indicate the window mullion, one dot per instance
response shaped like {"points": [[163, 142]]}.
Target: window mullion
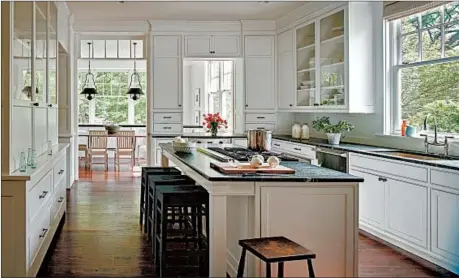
{"points": [[442, 32], [419, 38]]}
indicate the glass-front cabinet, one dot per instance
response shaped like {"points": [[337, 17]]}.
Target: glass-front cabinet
{"points": [[34, 58], [335, 61]]}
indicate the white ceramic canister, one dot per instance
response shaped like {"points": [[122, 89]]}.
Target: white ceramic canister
{"points": [[305, 131], [296, 131]]}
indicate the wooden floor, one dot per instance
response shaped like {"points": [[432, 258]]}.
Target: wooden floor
{"points": [[101, 235]]}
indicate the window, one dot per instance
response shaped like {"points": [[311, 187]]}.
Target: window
{"points": [[220, 94], [425, 63]]}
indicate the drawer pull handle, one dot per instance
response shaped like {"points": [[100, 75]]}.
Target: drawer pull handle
{"points": [[297, 149], [60, 172], [43, 233], [260, 127], [260, 117], [277, 145], [61, 199], [382, 179], [167, 127], [43, 195], [168, 117]]}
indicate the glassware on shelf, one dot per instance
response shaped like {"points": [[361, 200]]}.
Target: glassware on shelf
{"points": [[33, 163], [29, 157], [22, 162], [50, 148]]}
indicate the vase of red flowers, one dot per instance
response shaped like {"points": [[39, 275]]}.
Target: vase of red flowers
{"points": [[214, 122]]}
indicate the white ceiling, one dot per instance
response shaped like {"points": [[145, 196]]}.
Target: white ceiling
{"points": [[172, 10]]}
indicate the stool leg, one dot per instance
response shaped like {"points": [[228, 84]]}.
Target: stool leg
{"points": [[280, 270], [310, 269], [142, 203], [268, 270], [163, 242], [240, 268]]}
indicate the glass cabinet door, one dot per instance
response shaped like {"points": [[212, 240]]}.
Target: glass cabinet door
{"points": [[41, 53], [52, 54], [305, 64], [332, 77], [22, 49]]}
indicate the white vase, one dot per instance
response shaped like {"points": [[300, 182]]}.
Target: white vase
{"points": [[333, 138]]}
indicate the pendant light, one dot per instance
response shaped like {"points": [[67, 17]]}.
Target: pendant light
{"points": [[27, 90], [135, 91], [88, 90]]}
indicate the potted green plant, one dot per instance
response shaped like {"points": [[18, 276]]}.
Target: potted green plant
{"points": [[333, 131]]}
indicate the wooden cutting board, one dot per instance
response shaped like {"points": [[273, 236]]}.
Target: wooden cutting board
{"points": [[246, 168]]}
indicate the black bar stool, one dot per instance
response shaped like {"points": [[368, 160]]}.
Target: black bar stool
{"points": [[275, 250], [186, 241], [154, 181], [147, 171]]}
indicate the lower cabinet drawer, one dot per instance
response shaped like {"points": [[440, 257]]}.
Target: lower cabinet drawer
{"points": [[58, 171], [259, 126], [59, 199], [38, 233], [257, 118], [167, 117], [279, 145], [38, 196], [210, 141], [167, 128], [303, 150]]}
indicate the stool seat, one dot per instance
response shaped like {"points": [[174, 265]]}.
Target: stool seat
{"points": [[275, 249]]}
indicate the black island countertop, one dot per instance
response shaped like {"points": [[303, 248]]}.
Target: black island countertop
{"points": [[305, 172], [450, 162], [204, 135]]}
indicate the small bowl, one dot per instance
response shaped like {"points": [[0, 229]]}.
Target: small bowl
{"points": [[307, 82]]}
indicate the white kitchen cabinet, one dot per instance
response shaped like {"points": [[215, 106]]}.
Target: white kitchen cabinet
{"points": [[212, 46], [286, 78], [285, 41], [335, 61], [166, 83], [167, 73], [259, 73], [406, 211], [445, 224], [371, 198]]}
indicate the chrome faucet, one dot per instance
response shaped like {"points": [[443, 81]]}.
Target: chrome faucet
{"points": [[435, 142]]}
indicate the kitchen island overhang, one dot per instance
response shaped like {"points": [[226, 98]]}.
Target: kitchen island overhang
{"points": [[315, 207]]}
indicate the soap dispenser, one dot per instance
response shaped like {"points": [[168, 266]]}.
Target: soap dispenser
{"points": [[305, 131]]}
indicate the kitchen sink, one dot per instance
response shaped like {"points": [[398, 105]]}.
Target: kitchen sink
{"points": [[413, 155]]}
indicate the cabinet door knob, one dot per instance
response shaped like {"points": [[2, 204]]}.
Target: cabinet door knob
{"points": [[36, 104], [50, 105], [61, 199], [291, 105], [382, 179], [43, 233], [179, 105], [246, 105], [316, 104]]}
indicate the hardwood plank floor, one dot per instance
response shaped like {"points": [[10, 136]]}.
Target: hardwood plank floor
{"points": [[101, 235]]}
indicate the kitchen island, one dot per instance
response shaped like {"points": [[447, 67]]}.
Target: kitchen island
{"points": [[316, 207]]}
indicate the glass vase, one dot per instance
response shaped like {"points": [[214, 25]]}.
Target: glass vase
{"points": [[213, 130], [29, 157], [33, 163], [22, 162]]}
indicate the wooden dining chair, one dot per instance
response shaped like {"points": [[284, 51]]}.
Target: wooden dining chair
{"points": [[97, 146], [84, 148], [125, 146]]}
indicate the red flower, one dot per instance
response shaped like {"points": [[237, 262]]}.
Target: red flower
{"points": [[208, 125], [219, 127]]}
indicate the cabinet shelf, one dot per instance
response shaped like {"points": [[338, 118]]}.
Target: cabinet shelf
{"points": [[332, 65], [332, 39], [332, 87], [305, 47], [305, 70]]}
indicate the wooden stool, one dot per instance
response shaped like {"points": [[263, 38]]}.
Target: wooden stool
{"points": [[150, 171], [275, 250], [189, 241]]}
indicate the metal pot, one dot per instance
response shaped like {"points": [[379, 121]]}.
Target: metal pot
{"points": [[259, 140]]}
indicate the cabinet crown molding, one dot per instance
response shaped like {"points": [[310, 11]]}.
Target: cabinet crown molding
{"points": [[194, 26]]}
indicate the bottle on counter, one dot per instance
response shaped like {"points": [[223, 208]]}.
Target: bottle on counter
{"points": [[404, 125], [296, 131], [305, 131], [22, 162]]}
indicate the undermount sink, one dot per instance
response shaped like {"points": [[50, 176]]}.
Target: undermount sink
{"points": [[412, 155]]}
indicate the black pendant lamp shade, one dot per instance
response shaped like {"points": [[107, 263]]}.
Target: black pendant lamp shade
{"points": [[89, 90], [135, 91]]}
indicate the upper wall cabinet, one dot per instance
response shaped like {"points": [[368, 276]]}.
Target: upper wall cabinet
{"points": [[259, 73], [334, 63], [167, 72], [285, 70], [212, 46]]}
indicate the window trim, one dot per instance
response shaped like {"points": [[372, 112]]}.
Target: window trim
{"points": [[394, 64]]}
